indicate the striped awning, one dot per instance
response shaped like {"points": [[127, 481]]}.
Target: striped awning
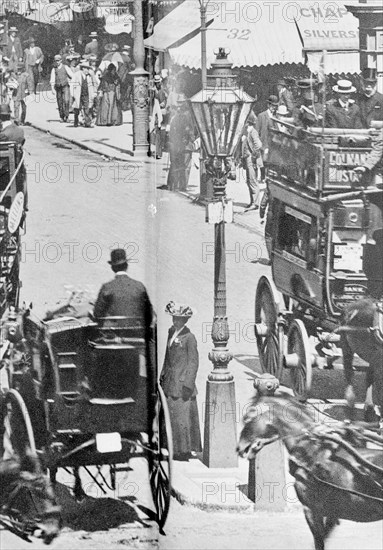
{"points": [[266, 33], [177, 25]]}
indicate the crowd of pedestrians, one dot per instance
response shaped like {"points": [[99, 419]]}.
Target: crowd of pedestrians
{"points": [[93, 84]]}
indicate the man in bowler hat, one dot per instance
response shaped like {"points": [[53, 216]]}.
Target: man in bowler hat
{"points": [[123, 296], [370, 101]]}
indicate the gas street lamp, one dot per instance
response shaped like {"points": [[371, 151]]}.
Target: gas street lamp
{"points": [[220, 112]]}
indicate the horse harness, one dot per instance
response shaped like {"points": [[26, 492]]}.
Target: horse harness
{"points": [[333, 441]]}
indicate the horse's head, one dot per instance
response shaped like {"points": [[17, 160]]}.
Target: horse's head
{"points": [[259, 429]]}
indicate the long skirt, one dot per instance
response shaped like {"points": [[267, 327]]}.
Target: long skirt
{"points": [[185, 425], [109, 110]]}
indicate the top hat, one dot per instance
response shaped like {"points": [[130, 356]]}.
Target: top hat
{"points": [[93, 34], [57, 57], [273, 100], [13, 29], [117, 257], [344, 87], [5, 110], [157, 78], [178, 310], [369, 74]]}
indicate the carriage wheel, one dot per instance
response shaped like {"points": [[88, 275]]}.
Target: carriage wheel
{"points": [[160, 459], [269, 333], [18, 439], [299, 359]]}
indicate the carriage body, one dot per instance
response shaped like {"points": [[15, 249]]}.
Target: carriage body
{"points": [[92, 398], [320, 228]]}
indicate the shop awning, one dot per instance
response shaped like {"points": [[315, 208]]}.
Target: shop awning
{"points": [[253, 34], [177, 25], [267, 33]]}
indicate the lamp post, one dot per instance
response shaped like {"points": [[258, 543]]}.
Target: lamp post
{"points": [[220, 112], [140, 108]]}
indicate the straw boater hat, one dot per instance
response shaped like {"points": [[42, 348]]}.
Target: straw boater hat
{"points": [[178, 310], [125, 48], [57, 57], [84, 63], [117, 257], [157, 78], [93, 34], [307, 83], [344, 87], [13, 29], [282, 111]]}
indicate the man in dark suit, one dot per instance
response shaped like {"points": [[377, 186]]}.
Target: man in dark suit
{"points": [[370, 101], [13, 50], [9, 130], [178, 382], [123, 296], [92, 46], [342, 112], [264, 124]]}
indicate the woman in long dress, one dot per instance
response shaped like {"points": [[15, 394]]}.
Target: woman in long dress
{"points": [[178, 382], [109, 108]]}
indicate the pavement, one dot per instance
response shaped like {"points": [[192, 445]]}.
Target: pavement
{"points": [[193, 483]]}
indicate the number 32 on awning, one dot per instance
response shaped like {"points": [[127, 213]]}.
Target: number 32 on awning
{"points": [[240, 34]]}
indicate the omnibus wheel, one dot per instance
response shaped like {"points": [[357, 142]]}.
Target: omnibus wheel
{"points": [[269, 332], [299, 359], [160, 459]]}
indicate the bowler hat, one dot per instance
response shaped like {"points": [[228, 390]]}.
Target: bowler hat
{"points": [[344, 87], [117, 257], [369, 74], [5, 110], [178, 310], [273, 100]]}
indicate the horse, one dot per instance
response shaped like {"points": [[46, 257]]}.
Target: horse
{"points": [[27, 501], [336, 475], [360, 333]]}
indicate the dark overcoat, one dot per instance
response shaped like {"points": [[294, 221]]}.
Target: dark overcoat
{"points": [[371, 108], [123, 296], [179, 371], [338, 117], [180, 364]]}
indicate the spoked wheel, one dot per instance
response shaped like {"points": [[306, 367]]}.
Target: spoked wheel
{"points": [[268, 331], [160, 459], [299, 359], [18, 439]]}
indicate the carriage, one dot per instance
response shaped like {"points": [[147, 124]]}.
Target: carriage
{"points": [[85, 396], [323, 224], [13, 204]]}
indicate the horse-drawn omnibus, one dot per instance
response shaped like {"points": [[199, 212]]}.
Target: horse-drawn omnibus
{"points": [[323, 233]]}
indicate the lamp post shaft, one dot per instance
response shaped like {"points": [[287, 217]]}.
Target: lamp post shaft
{"points": [[140, 108], [203, 45], [220, 435]]}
